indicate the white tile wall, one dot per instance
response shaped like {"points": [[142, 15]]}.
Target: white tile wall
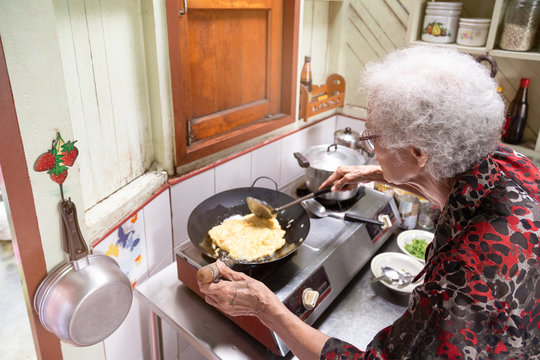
{"points": [[290, 169], [185, 196], [235, 173], [343, 121], [321, 133], [158, 228], [266, 161]]}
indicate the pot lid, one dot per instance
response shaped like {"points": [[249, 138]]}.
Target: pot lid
{"points": [[347, 134], [329, 157]]}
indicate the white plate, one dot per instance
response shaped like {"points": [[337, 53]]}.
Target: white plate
{"points": [[400, 262], [406, 237]]}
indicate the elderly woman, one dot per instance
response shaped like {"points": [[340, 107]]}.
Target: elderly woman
{"points": [[434, 122]]}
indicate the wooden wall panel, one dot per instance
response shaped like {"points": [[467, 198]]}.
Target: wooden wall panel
{"points": [[104, 64]]}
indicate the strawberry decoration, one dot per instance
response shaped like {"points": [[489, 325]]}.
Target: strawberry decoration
{"points": [[59, 173], [57, 159], [46, 161], [69, 153]]}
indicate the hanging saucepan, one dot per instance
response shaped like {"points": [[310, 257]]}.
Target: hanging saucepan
{"points": [[221, 206], [321, 161], [85, 300]]}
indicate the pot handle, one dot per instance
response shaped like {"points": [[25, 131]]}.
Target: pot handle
{"points": [[74, 244], [302, 161], [264, 177], [492, 63], [334, 145]]}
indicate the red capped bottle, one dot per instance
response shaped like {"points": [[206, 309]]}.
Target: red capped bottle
{"points": [[305, 76], [516, 117]]}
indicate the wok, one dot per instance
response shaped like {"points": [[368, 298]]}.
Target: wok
{"points": [[219, 207]]}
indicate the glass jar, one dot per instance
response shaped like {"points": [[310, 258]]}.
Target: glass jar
{"points": [[424, 215], [520, 24], [408, 210]]}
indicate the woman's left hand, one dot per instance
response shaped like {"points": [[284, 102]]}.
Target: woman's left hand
{"points": [[240, 295]]}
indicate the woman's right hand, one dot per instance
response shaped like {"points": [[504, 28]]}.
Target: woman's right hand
{"points": [[346, 177]]}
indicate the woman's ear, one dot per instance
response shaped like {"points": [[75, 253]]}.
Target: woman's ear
{"points": [[420, 155]]}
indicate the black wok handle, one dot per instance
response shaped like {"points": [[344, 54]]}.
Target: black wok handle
{"points": [[302, 161], [357, 218], [74, 245]]}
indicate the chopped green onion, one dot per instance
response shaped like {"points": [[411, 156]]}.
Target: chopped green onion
{"points": [[417, 248]]}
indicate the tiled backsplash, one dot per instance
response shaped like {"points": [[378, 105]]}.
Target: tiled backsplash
{"points": [[146, 241]]}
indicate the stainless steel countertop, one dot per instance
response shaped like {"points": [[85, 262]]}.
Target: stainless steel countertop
{"points": [[359, 313]]}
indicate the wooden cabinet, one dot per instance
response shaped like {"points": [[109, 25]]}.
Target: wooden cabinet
{"points": [[232, 70]]}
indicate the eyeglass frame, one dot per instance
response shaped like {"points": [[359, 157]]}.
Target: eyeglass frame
{"points": [[367, 141]]}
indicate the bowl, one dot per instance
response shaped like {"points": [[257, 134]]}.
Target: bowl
{"points": [[400, 262], [406, 237]]}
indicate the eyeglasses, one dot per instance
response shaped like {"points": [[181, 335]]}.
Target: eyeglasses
{"points": [[367, 141]]}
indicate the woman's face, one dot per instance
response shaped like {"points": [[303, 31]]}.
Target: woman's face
{"points": [[399, 166]]}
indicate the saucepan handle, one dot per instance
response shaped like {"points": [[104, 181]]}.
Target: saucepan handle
{"points": [[75, 246]]}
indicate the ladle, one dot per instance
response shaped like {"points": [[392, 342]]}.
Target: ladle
{"points": [[262, 209], [317, 209]]}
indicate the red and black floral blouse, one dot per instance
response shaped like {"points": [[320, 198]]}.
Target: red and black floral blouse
{"points": [[481, 294]]}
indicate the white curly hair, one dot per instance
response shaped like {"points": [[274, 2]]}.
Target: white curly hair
{"points": [[438, 100]]}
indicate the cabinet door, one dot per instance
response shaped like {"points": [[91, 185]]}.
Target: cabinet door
{"points": [[228, 72]]}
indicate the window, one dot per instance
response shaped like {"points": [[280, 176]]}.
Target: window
{"points": [[233, 69]]}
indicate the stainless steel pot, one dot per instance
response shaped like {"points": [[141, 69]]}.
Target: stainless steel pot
{"points": [[321, 161], [351, 139], [347, 137], [85, 300]]}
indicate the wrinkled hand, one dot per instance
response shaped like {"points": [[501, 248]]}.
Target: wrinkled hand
{"points": [[347, 177], [241, 295]]}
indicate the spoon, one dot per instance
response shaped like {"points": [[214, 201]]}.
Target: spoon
{"points": [[401, 277], [319, 210], [262, 209], [388, 274]]}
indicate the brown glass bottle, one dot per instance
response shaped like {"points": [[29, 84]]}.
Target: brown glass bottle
{"points": [[517, 115], [305, 76]]}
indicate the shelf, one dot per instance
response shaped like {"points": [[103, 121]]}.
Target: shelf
{"points": [[468, 49], [322, 98], [522, 55], [496, 15], [493, 9]]}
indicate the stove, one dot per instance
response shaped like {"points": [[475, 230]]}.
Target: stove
{"points": [[313, 276]]}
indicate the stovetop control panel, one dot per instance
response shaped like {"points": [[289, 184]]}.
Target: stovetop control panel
{"points": [[319, 283]]}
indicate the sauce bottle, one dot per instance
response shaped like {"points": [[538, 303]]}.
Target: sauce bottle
{"points": [[305, 76], [517, 115]]}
